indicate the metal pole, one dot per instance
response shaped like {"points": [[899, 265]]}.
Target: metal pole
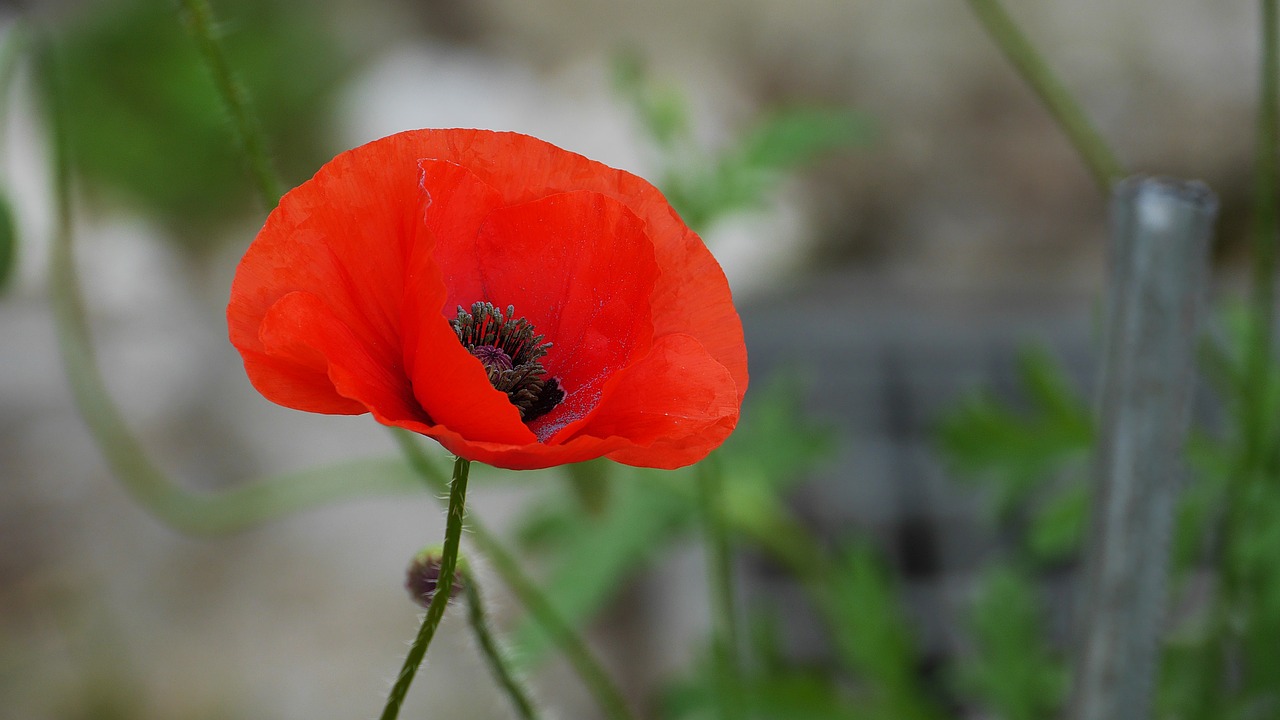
{"points": [[1160, 230]]}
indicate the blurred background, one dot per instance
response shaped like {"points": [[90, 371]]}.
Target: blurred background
{"points": [[899, 219]]}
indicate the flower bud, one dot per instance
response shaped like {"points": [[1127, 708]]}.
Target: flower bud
{"points": [[424, 575]]}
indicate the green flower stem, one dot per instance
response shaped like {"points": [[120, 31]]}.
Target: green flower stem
{"points": [[1101, 162], [444, 588], [1266, 188], [791, 544], [1256, 425], [492, 652], [589, 482], [249, 133], [725, 641], [15, 44], [150, 487], [589, 669]]}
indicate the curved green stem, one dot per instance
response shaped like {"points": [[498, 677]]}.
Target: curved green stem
{"points": [[1266, 188], [589, 669], [492, 652], [725, 641], [15, 43], [444, 587], [1101, 162], [248, 132], [1255, 386], [149, 485]]}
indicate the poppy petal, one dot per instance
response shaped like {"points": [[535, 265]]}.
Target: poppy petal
{"points": [[301, 330], [457, 204], [669, 454], [530, 456], [448, 381], [521, 168], [342, 303], [297, 386], [676, 391], [693, 297], [342, 236], [588, 296]]}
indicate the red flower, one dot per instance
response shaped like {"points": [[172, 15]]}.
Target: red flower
{"points": [[413, 277]]}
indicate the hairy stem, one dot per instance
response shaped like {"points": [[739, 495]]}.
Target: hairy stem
{"points": [[444, 587], [493, 654], [725, 641], [584, 662], [249, 133]]}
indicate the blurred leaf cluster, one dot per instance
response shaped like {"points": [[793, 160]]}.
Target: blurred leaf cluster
{"points": [[704, 185], [592, 553], [10, 55], [873, 668], [145, 121], [1220, 656], [1032, 460]]}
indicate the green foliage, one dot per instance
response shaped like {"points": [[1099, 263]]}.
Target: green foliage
{"points": [[1056, 530], [705, 186], [662, 109], [1202, 498], [1013, 670], [773, 448], [1033, 460], [874, 671], [8, 242], [743, 176], [592, 554], [595, 554], [874, 638], [146, 124], [1014, 451], [1252, 563], [1221, 660], [782, 692], [1228, 517]]}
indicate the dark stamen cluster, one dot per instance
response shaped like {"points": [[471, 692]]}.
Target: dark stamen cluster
{"points": [[510, 352]]}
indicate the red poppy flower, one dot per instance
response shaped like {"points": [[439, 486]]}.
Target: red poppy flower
{"points": [[521, 304]]}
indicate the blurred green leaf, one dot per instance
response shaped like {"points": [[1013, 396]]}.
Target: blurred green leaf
{"points": [[1253, 559], [745, 175], [662, 109], [875, 640], [796, 136], [146, 125], [598, 553], [787, 694], [8, 242], [591, 555], [1012, 670], [704, 185], [1017, 452], [1202, 500], [589, 482], [1057, 525], [776, 436], [774, 447], [776, 688]]}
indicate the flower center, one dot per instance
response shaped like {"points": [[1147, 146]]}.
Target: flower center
{"points": [[510, 352]]}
